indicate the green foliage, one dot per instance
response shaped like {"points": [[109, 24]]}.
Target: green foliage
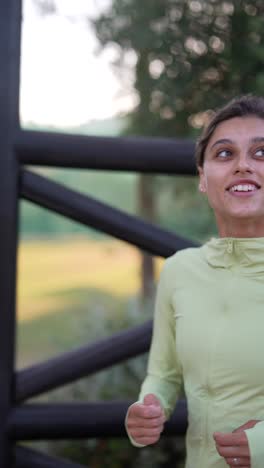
{"points": [[121, 381], [191, 57], [183, 209], [118, 382]]}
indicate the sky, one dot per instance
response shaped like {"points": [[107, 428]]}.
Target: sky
{"points": [[63, 81]]}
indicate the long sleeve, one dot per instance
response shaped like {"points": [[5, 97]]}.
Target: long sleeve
{"points": [[255, 437], [164, 373]]}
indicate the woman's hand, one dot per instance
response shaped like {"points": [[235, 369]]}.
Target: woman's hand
{"points": [[233, 446], [145, 421]]}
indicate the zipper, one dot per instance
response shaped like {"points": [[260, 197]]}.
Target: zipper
{"points": [[214, 344], [229, 246]]}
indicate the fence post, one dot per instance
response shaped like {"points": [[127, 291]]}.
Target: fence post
{"points": [[10, 25]]}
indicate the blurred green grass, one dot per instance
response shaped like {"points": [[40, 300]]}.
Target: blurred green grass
{"points": [[71, 292]]}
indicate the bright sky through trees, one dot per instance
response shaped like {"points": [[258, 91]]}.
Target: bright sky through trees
{"points": [[63, 81]]}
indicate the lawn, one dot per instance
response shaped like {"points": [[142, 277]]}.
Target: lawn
{"points": [[72, 291]]}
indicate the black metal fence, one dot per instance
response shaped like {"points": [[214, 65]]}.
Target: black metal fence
{"points": [[20, 421]]}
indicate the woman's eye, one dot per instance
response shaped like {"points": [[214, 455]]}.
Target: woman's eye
{"points": [[223, 154], [259, 152]]}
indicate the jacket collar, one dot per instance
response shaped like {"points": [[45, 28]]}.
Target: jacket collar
{"points": [[243, 253]]}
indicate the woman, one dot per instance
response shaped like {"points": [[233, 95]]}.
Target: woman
{"points": [[209, 315]]}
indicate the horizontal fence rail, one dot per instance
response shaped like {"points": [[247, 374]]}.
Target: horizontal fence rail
{"points": [[82, 362], [86, 210], [28, 458], [81, 420], [147, 155]]}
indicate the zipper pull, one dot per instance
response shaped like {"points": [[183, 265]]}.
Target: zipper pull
{"points": [[229, 246]]}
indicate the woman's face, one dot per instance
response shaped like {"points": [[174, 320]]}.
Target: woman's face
{"points": [[233, 171]]}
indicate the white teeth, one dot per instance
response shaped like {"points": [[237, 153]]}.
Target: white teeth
{"points": [[243, 188]]}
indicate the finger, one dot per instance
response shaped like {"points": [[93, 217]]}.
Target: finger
{"points": [[147, 440], [241, 461], [148, 423], [231, 438], [137, 433], [146, 411], [240, 466], [247, 425], [234, 452], [151, 399]]}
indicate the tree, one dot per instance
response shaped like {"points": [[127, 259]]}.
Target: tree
{"points": [[192, 55]]}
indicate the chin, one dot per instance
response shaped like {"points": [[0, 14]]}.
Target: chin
{"points": [[246, 214]]}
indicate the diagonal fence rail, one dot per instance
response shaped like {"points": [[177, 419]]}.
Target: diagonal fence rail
{"points": [[19, 149], [82, 362], [90, 212]]}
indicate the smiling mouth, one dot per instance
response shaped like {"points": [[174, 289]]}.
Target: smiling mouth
{"points": [[242, 188]]}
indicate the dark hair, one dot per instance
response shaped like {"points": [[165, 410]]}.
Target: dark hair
{"points": [[239, 107]]}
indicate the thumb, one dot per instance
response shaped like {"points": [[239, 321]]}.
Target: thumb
{"points": [[247, 425], [151, 399]]}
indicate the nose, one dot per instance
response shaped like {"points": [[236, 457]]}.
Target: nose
{"points": [[243, 163]]}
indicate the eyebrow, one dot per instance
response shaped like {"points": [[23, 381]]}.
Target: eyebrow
{"points": [[222, 140], [257, 139]]}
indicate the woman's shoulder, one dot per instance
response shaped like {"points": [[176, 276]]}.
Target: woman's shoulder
{"points": [[183, 262], [183, 257], [182, 268]]}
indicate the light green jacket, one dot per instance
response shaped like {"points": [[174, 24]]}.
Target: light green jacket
{"points": [[209, 337]]}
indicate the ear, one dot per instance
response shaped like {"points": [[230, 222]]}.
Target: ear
{"points": [[202, 180]]}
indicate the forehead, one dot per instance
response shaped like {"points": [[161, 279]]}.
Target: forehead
{"points": [[238, 129]]}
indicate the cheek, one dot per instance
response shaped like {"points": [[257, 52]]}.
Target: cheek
{"points": [[215, 192], [212, 197]]}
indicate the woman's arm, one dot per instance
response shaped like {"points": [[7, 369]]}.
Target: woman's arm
{"points": [[164, 372]]}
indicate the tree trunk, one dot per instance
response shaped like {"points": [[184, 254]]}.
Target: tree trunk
{"points": [[146, 209]]}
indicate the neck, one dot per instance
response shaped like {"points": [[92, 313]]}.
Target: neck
{"points": [[240, 228]]}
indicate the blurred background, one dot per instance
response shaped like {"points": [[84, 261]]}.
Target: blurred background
{"points": [[119, 68]]}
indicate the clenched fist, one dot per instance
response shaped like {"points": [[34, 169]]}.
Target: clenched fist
{"points": [[233, 446], [145, 421]]}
